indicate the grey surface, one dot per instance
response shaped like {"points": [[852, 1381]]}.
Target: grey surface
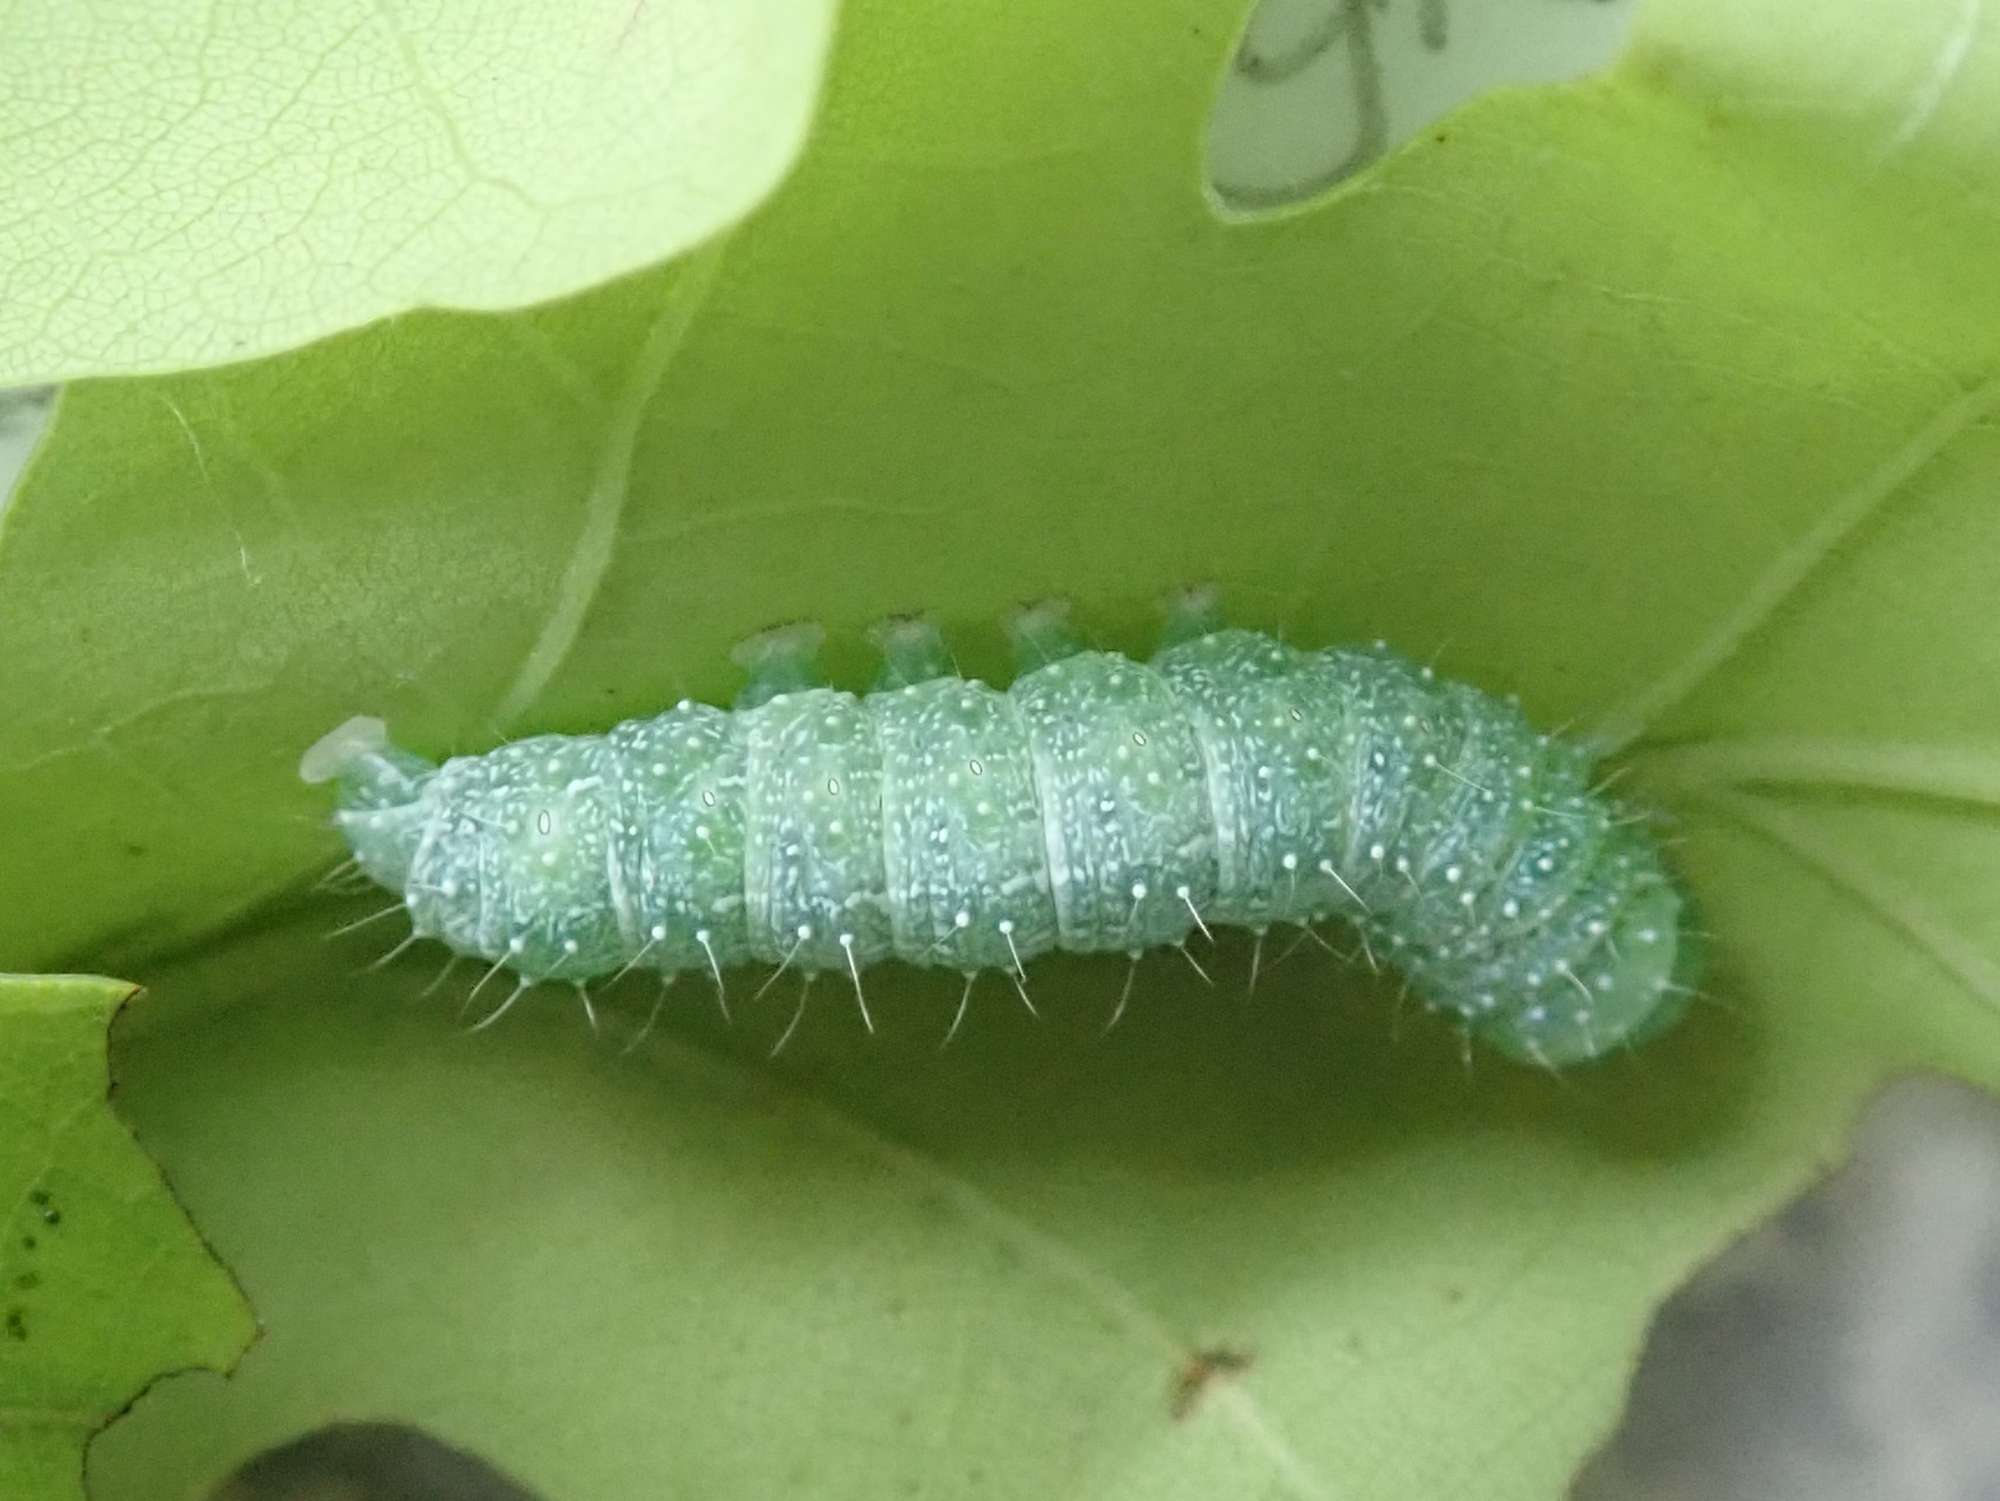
{"points": [[370, 1462], [1848, 1350], [1321, 88], [23, 415]]}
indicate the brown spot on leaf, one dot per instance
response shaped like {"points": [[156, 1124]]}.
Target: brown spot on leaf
{"points": [[1198, 1370]]}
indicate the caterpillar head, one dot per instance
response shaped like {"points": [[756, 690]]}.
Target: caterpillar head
{"points": [[1639, 984]]}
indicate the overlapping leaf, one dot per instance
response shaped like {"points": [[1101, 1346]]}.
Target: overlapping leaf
{"points": [[103, 1284], [187, 184]]}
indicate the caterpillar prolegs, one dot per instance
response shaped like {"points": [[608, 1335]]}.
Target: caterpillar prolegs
{"points": [[1098, 804]]}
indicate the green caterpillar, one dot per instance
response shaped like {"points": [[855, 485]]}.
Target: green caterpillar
{"points": [[1099, 804]]}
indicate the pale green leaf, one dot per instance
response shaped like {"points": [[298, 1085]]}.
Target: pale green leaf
{"points": [[188, 183], [103, 1284]]}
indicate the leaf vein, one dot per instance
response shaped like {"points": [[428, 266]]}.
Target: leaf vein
{"points": [[1627, 721], [1896, 905], [611, 484], [1946, 773], [1055, 1257]]}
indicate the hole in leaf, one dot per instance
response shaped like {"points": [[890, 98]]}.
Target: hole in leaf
{"points": [[1319, 89]]}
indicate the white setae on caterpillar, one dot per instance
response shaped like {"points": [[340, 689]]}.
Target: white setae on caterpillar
{"points": [[1099, 804]]}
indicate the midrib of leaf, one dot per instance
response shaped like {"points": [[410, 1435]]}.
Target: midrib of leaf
{"points": [[1946, 62], [1894, 904], [1036, 1247], [611, 482], [435, 106], [1946, 773], [1623, 724]]}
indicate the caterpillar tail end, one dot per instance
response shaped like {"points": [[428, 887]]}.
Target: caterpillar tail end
{"points": [[379, 808], [370, 771], [331, 756]]}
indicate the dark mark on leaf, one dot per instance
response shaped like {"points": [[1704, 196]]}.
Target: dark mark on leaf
{"points": [[1201, 1368]]}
